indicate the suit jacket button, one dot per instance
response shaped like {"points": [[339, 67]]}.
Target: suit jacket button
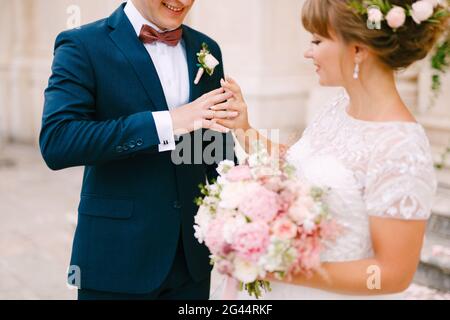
{"points": [[139, 142], [132, 144], [119, 149], [125, 147]]}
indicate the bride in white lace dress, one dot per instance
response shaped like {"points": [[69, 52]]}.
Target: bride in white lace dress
{"points": [[366, 146]]}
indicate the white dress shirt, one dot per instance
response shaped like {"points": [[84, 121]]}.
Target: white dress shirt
{"points": [[171, 66]]}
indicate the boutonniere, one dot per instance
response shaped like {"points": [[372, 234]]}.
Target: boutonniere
{"points": [[206, 62]]}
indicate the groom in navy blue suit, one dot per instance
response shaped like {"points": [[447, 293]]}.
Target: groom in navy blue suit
{"points": [[122, 102]]}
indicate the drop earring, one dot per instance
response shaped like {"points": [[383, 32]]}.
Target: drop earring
{"points": [[356, 71]]}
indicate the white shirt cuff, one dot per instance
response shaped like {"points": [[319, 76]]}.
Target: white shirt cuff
{"points": [[164, 127]]}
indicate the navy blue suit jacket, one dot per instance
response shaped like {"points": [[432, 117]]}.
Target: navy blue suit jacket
{"points": [[134, 200]]}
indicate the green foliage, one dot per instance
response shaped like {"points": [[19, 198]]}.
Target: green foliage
{"points": [[255, 288]]}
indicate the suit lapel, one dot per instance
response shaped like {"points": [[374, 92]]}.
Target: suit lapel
{"points": [[126, 40], [192, 46]]}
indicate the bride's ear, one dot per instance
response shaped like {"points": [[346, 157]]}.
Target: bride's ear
{"points": [[360, 53]]}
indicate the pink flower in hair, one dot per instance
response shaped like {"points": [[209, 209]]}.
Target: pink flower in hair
{"points": [[396, 17]]}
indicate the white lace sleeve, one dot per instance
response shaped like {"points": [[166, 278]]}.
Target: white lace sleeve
{"points": [[400, 181]]}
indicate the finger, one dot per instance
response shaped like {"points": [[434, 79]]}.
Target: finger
{"points": [[227, 85], [217, 127], [211, 114], [225, 106], [232, 87], [225, 114], [232, 82], [226, 123], [218, 99], [213, 125], [213, 93], [230, 79]]}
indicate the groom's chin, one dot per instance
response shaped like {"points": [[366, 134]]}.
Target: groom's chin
{"points": [[172, 19]]}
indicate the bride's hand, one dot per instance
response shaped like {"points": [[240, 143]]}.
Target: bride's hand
{"points": [[236, 103]]}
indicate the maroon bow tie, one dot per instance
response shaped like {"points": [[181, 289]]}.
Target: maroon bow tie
{"points": [[150, 35]]}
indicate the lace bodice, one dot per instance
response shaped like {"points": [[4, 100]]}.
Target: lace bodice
{"points": [[381, 169]]}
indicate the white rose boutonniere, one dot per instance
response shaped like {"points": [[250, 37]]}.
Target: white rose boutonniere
{"points": [[207, 62]]}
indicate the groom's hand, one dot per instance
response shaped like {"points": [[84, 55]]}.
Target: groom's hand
{"points": [[198, 114]]}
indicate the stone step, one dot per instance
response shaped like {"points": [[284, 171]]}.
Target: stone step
{"points": [[434, 267]]}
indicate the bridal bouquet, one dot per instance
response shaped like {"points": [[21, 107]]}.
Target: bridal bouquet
{"points": [[258, 218]]}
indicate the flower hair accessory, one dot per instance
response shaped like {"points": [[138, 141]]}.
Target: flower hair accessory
{"points": [[206, 62], [395, 16]]}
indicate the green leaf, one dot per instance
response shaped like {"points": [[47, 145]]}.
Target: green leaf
{"points": [[357, 6]]}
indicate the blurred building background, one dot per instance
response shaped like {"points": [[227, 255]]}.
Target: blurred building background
{"points": [[262, 43]]}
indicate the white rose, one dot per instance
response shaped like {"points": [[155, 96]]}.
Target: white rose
{"points": [[202, 220], [221, 181], [244, 271], [234, 193], [211, 62], [224, 166], [421, 11], [375, 15]]}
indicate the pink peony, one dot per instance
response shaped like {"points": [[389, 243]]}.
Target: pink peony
{"points": [[214, 238], [287, 199], [251, 241], [421, 11], [225, 267], [284, 229], [239, 173], [396, 17], [261, 204], [273, 183]]}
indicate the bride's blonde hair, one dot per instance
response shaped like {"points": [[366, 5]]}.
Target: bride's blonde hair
{"points": [[395, 48]]}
